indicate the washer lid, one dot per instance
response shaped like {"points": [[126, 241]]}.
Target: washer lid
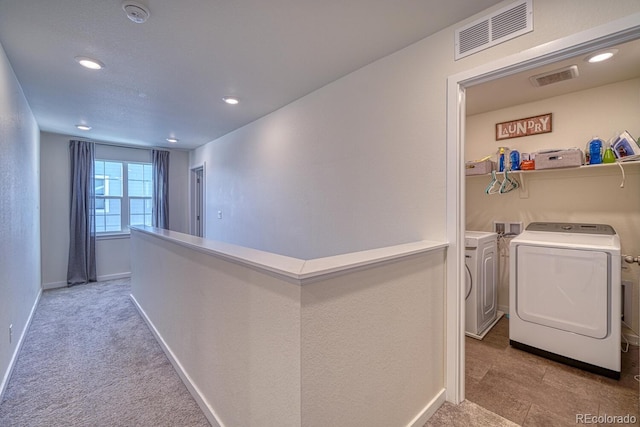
{"points": [[473, 238], [565, 227]]}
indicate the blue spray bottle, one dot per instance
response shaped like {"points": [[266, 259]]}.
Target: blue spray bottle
{"points": [[501, 159]]}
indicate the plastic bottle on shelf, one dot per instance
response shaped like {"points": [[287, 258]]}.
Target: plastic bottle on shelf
{"points": [[515, 160], [608, 156], [503, 159], [594, 147]]}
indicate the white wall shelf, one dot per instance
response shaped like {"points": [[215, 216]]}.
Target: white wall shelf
{"points": [[567, 169], [520, 174]]}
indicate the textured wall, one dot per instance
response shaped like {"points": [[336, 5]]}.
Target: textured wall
{"points": [[341, 170], [19, 213], [356, 348], [372, 353], [234, 331]]}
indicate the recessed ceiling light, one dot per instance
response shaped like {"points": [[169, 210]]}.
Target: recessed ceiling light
{"points": [[83, 127], [172, 140], [601, 56], [90, 63], [231, 100]]}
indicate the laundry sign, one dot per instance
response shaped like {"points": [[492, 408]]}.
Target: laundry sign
{"points": [[524, 127]]}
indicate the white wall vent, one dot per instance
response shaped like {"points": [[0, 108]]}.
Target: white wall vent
{"points": [[502, 25], [555, 76]]}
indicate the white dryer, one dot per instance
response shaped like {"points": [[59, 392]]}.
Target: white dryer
{"points": [[564, 294], [481, 262]]}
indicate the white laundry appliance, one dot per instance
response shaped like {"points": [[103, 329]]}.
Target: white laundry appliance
{"points": [[481, 262], [564, 294]]}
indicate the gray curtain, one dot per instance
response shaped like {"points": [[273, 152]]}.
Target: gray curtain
{"points": [[160, 198], [82, 225]]}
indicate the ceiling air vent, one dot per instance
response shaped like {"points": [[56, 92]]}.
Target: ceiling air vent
{"points": [[135, 11], [502, 25], [554, 76]]}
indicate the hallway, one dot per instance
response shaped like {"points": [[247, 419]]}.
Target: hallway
{"points": [[90, 360]]}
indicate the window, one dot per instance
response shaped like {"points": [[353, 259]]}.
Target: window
{"points": [[123, 195], [140, 188]]}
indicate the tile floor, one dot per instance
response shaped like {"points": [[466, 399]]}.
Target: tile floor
{"points": [[534, 391]]}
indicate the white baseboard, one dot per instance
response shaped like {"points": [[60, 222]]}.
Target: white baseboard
{"points": [[504, 309], [104, 278], [186, 379], [54, 285], [431, 408], [14, 357], [115, 276]]}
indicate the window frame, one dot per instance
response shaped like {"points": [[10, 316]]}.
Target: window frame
{"points": [[125, 199]]}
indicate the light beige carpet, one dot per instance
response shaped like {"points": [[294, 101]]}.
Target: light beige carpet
{"points": [[89, 359]]}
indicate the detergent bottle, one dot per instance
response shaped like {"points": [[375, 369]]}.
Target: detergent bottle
{"points": [[503, 159], [514, 158], [594, 147]]}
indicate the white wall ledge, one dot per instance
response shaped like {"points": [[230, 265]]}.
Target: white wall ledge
{"points": [[293, 269]]}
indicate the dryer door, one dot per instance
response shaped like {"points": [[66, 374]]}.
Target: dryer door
{"points": [[468, 281], [487, 285], [566, 289]]}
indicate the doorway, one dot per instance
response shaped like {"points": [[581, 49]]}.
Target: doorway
{"points": [[197, 201], [601, 37]]}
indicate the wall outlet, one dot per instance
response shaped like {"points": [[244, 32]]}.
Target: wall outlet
{"points": [[509, 228], [514, 227]]}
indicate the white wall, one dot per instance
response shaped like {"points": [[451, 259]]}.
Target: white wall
{"points": [[592, 196], [372, 346], [112, 254], [360, 163], [19, 215], [348, 342], [311, 181]]}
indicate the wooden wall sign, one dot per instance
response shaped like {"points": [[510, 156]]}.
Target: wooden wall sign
{"points": [[524, 127]]}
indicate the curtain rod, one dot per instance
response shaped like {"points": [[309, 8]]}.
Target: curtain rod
{"points": [[110, 144], [114, 144]]}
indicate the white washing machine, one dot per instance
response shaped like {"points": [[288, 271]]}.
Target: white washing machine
{"points": [[564, 294], [481, 262]]}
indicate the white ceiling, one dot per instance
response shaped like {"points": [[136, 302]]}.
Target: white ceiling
{"points": [[166, 77], [517, 89]]}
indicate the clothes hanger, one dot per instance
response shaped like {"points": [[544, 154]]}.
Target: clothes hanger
{"points": [[508, 183], [494, 184]]}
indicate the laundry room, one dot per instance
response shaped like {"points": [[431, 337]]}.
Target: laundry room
{"points": [[602, 100]]}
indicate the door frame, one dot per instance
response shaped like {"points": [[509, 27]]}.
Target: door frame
{"points": [[600, 37], [197, 205]]}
